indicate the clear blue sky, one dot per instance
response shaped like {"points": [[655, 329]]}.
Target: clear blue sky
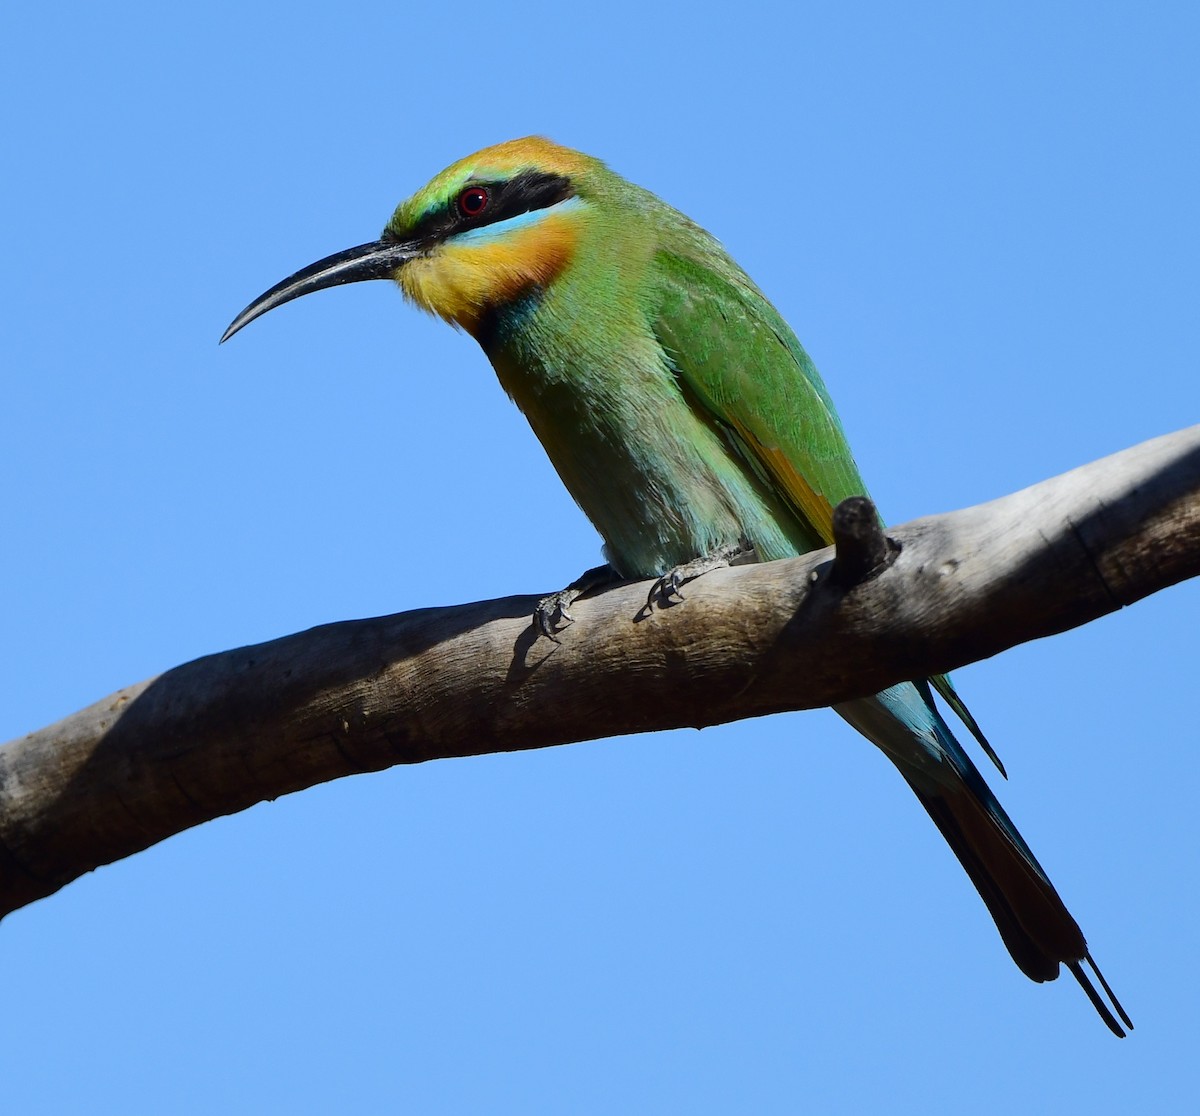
{"points": [[982, 222]]}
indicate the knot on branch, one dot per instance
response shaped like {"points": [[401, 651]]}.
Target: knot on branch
{"points": [[862, 550]]}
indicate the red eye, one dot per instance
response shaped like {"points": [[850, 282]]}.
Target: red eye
{"points": [[473, 201]]}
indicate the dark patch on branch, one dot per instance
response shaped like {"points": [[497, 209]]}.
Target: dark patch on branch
{"points": [[862, 550]]}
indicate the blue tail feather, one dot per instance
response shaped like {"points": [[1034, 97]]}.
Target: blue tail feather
{"points": [[1033, 921]]}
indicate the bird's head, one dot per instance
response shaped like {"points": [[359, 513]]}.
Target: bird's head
{"points": [[481, 234]]}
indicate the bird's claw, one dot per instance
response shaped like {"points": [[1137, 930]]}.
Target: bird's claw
{"points": [[554, 612], [668, 589]]}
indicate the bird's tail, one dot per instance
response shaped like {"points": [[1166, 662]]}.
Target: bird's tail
{"points": [[1033, 921]]}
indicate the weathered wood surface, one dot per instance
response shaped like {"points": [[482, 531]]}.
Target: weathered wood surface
{"points": [[219, 734]]}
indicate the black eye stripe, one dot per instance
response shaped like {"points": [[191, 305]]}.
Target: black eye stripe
{"points": [[522, 193]]}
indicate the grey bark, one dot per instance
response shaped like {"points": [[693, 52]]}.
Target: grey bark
{"points": [[222, 733]]}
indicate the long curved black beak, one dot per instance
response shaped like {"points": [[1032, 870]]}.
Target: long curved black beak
{"points": [[378, 260]]}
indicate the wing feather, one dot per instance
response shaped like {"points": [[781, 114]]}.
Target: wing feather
{"points": [[737, 356]]}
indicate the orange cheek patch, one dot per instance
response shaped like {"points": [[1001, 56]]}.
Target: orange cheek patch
{"points": [[460, 282]]}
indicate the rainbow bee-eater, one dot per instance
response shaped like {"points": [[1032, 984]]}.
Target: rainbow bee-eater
{"points": [[690, 425]]}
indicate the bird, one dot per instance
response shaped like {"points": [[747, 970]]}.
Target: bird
{"points": [[691, 427]]}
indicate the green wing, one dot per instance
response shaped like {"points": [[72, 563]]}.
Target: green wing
{"points": [[738, 357]]}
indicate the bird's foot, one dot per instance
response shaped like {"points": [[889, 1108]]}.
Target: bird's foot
{"points": [[667, 589], [554, 612]]}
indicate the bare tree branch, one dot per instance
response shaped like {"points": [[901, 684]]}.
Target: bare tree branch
{"points": [[219, 734]]}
